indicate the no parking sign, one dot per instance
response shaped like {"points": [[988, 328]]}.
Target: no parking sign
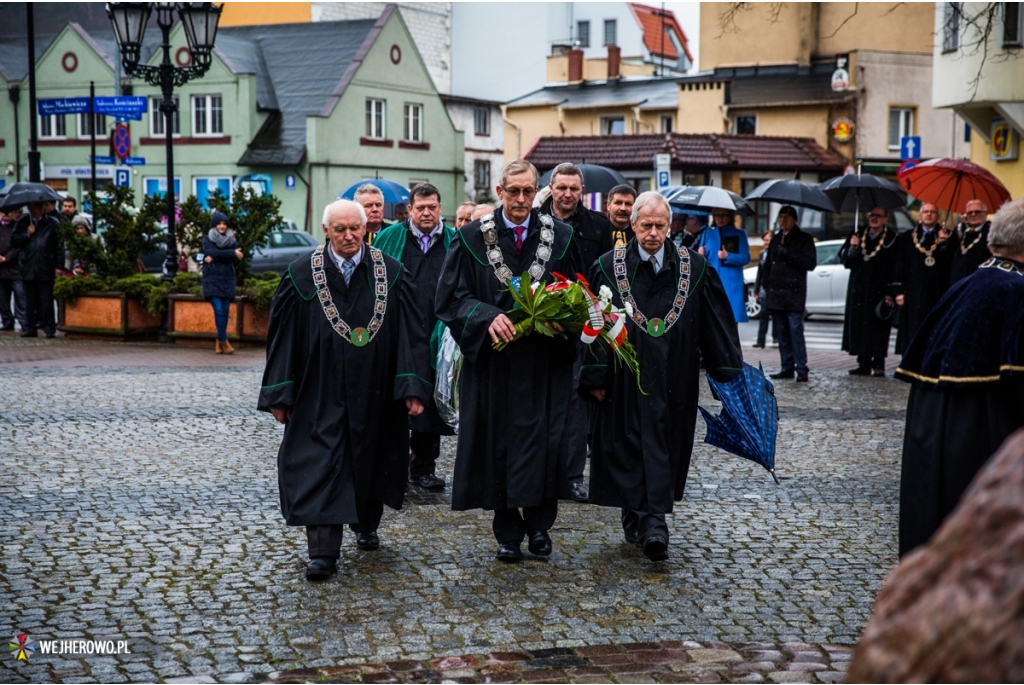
{"points": [[122, 141]]}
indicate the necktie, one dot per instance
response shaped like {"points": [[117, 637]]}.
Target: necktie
{"points": [[519, 231], [347, 267], [425, 243], [654, 264]]}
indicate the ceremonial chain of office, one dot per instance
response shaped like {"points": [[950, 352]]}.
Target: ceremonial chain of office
{"points": [[654, 327], [497, 259], [864, 253], [1003, 265], [358, 336], [929, 259]]}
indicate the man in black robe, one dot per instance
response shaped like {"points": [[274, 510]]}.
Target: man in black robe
{"points": [[420, 243], [619, 210], [335, 344], [870, 257], [970, 244], [921, 275], [371, 199], [680, 312], [593, 235], [967, 369], [514, 404]]}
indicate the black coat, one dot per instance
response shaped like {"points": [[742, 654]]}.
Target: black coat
{"points": [[9, 268], [347, 442], [642, 443], [790, 257], [864, 334], [514, 403], [423, 272], [219, 275], [921, 285], [40, 255], [594, 233], [970, 250]]}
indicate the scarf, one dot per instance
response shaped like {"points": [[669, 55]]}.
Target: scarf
{"points": [[225, 241]]}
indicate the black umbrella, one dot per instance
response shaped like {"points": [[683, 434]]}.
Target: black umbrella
{"points": [[22, 193], [851, 192], [792, 192], [596, 178], [704, 199]]}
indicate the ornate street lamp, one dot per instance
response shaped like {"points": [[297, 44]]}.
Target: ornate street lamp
{"points": [[199, 20]]}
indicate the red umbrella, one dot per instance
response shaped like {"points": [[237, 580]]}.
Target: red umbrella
{"points": [[951, 183]]}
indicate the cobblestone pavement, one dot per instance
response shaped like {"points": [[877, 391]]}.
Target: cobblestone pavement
{"points": [[140, 503]]}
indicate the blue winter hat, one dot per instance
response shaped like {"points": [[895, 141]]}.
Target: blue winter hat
{"points": [[217, 217]]}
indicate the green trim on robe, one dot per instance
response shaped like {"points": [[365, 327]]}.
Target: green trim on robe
{"points": [[391, 240]]}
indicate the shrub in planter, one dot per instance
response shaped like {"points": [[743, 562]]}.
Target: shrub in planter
{"points": [[260, 290]]}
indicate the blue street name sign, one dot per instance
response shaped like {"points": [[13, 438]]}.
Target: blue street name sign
{"points": [[130, 106], [910, 147], [289, 182], [63, 106], [134, 161], [103, 160], [122, 176]]}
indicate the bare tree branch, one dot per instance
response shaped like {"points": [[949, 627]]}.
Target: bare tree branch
{"points": [[856, 6], [774, 11], [727, 20], [895, 7]]}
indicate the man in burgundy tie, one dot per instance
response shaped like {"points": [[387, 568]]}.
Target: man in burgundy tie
{"points": [[514, 404], [420, 243]]}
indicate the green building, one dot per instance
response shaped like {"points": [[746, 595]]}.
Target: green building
{"points": [[297, 110]]}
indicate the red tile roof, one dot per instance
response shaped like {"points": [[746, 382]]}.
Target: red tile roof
{"points": [[689, 150], [651, 20]]}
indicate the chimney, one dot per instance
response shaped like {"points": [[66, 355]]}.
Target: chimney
{"points": [[614, 62], [575, 66]]}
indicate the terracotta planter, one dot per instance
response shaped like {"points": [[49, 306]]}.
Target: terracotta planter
{"points": [[107, 315], [254, 323], [190, 321]]}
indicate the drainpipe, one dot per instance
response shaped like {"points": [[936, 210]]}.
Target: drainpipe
{"points": [[519, 131], [637, 121]]}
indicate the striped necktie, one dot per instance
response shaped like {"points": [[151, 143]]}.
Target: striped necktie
{"points": [[347, 267]]}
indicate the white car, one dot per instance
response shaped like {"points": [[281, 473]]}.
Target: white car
{"points": [[826, 285]]}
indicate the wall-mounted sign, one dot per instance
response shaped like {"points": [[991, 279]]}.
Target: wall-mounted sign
{"points": [[122, 141], [841, 75], [843, 130], [1005, 142]]}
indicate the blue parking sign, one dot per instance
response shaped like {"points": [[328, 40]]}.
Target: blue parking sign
{"points": [[122, 177], [664, 179], [289, 182], [910, 147]]}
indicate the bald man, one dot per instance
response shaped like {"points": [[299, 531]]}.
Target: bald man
{"points": [[971, 241], [921, 273]]}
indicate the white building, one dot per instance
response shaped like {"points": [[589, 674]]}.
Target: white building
{"points": [[484, 132]]}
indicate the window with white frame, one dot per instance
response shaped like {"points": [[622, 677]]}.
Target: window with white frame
{"points": [[901, 123], [952, 13], [52, 126], [667, 123], [481, 174], [413, 122], [1013, 25], [375, 119], [205, 186], [583, 34], [157, 119], [207, 115], [613, 126], [84, 128], [745, 124], [610, 31], [482, 121]]}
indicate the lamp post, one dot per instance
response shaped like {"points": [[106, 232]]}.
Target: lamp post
{"points": [[199, 20]]}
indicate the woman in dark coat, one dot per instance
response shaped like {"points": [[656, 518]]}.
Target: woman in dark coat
{"points": [[220, 253]]}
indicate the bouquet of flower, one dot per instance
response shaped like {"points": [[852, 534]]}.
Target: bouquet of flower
{"points": [[573, 308]]}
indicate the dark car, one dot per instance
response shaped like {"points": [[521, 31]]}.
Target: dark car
{"points": [[281, 249]]}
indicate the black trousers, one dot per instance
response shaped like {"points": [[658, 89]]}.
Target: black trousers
{"points": [[510, 526], [870, 362], [641, 525], [577, 429], [325, 541], [425, 448], [10, 287], [39, 306]]}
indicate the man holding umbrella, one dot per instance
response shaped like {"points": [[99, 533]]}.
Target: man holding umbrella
{"points": [[921, 274], [790, 256], [37, 234]]}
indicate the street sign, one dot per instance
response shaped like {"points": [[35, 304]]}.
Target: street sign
{"points": [[289, 182], [664, 179], [121, 106], [100, 159], [662, 160], [122, 141], [63, 106], [910, 147], [135, 161], [663, 169], [75, 171], [122, 177]]}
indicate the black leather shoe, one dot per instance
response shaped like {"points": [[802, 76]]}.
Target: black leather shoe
{"points": [[801, 377], [540, 543], [321, 568], [860, 371], [878, 373], [782, 374], [368, 542], [509, 553], [30, 334], [428, 482], [579, 493], [656, 548]]}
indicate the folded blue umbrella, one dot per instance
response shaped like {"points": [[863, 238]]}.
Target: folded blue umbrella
{"points": [[749, 421]]}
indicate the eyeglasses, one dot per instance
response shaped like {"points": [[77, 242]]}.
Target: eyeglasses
{"points": [[975, 211], [516, 192], [878, 216]]}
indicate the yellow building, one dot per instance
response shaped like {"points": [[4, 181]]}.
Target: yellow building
{"points": [[258, 13]]}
